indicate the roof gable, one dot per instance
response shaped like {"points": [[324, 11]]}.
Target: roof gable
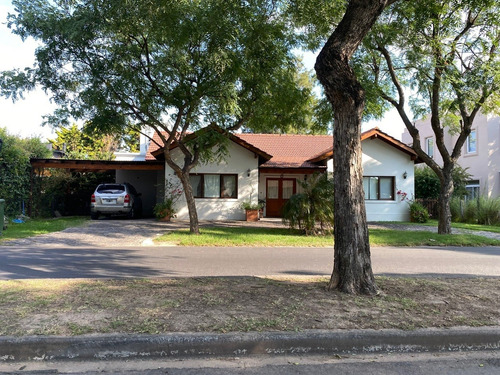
{"points": [[154, 151], [374, 133]]}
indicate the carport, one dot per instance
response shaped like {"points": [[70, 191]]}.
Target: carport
{"points": [[146, 176]]}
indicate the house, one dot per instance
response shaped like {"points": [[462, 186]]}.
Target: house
{"points": [[268, 167], [480, 153], [263, 167]]}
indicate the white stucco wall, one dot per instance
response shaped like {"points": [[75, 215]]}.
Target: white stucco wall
{"points": [[380, 159], [240, 160]]}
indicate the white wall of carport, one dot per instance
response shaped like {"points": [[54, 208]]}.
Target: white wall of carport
{"points": [[145, 182], [239, 161], [381, 159]]}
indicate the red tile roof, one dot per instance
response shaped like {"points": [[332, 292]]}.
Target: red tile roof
{"points": [[153, 146], [289, 150]]}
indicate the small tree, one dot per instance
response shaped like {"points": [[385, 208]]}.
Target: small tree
{"points": [[447, 52], [85, 143], [312, 210]]}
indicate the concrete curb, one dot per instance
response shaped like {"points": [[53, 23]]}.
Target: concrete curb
{"points": [[184, 345]]}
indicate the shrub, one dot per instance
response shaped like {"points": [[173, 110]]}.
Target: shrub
{"points": [[15, 170], [470, 211], [456, 207], [463, 210], [484, 210], [488, 211], [418, 213]]}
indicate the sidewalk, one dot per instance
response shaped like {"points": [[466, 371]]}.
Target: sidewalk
{"points": [[192, 345]]}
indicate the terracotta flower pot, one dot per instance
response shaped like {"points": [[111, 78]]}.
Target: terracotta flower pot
{"points": [[252, 215], [165, 218]]}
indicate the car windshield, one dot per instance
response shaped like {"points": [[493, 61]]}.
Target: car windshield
{"points": [[111, 188]]}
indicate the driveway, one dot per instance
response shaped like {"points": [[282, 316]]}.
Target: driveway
{"points": [[113, 233], [124, 248]]}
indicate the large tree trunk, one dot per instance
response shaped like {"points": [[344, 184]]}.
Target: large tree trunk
{"points": [[352, 272], [444, 211]]}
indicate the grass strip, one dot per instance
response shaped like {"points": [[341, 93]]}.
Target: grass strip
{"points": [[240, 304], [274, 237], [34, 227], [469, 226]]}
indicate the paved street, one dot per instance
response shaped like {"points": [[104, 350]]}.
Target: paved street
{"points": [[43, 261], [455, 363]]}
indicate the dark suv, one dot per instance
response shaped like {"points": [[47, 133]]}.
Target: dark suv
{"points": [[115, 199]]}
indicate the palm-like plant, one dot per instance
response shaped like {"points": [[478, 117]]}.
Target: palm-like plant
{"points": [[311, 210]]}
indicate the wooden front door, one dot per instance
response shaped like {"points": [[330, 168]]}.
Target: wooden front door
{"points": [[278, 191]]}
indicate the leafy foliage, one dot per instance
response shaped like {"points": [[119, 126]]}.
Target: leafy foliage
{"points": [[483, 210], [446, 52], [312, 210], [418, 213], [84, 144], [15, 170], [428, 186]]}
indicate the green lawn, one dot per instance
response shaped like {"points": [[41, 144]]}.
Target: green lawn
{"points": [[36, 227], [386, 237], [239, 236], [242, 236], [486, 228]]}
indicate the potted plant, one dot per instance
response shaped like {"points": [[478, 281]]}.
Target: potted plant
{"points": [[164, 211], [251, 210]]}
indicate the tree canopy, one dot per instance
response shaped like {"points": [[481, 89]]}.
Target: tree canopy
{"points": [[175, 66], [84, 144], [158, 62]]}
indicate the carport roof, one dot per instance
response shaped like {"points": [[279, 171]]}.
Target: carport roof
{"points": [[97, 165]]}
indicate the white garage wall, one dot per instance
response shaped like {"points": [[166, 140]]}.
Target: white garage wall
{"points": [[239, 161], [146, 183]]}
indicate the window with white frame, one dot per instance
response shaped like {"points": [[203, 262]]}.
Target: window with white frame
{"points": [[429, 146], [214, 185], [378, 187], [471, 143], [472, 188]]}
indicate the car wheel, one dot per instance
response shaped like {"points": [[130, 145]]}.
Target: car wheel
{"points": [[94, 215], [131, 214]]}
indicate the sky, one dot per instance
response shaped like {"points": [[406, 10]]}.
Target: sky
{"points": [[24, 118]]}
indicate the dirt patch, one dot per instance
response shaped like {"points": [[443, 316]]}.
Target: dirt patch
{"points": [[73, 307]]}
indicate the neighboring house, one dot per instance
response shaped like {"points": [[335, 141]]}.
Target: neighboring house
{"points": [[480, 153], [269, 166], [144, 141]]}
